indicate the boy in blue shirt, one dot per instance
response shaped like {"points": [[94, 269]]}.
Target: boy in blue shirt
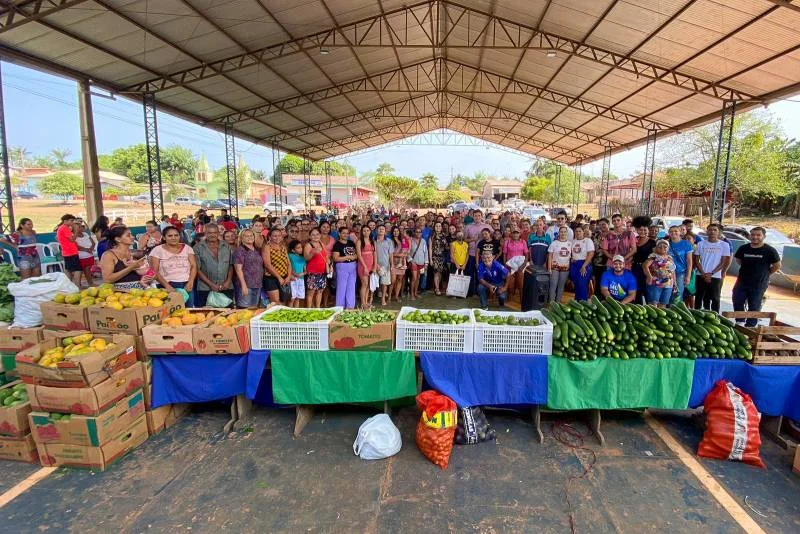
{"points": [[618, 283], [492, 279], [681, 251]]}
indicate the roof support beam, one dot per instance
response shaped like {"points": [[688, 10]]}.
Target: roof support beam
{"points": [[451, 105], [14, 14], [468, 28]]}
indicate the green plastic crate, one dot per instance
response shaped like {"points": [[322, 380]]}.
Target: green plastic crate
{"points": [[8, 362]]}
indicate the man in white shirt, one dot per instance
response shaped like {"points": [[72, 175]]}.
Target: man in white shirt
{"points": [[561, 222], [712, 258]]}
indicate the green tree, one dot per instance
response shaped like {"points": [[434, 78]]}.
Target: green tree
{"points": [[62, 184], [395, 190], [243, 180], [104, 162], [19, 156], [544, 184], [178, 164], [474, 183], [260, 175], [429, 180], [424, 197], [793, 178], [60, 156], [758, 163]]}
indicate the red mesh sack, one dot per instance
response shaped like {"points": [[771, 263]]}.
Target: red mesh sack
{"points": [[436, 428], [731, 426]]}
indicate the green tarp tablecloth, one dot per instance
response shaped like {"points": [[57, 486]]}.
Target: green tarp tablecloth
{"points": [[608, 384], [319, 377]]}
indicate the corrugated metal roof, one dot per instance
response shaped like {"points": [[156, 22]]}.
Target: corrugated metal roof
{"points": [[563, 79]]}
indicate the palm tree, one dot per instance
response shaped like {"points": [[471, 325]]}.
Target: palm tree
{"points": [[60, 156], [19, 156]]}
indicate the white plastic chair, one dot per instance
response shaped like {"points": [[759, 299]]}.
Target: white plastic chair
{"points": [[56, 248], [8, 256], [49, 258]]}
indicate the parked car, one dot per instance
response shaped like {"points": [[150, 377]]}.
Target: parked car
{"points": [[25, 195], [142, 199], [183, 201], [275, 207], [534, 212], [462, 206], [556, 210], [215, 205], [664, 224]]}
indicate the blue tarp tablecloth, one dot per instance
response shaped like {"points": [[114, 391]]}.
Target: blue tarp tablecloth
{"points": [[775, 389], [198, 378], [259, 380], [487, 379]]}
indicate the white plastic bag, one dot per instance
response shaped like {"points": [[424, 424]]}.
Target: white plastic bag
{"points": [[516, 263], [374, 281], [30, 293], [377, 438]]}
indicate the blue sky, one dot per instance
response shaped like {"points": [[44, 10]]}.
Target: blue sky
{"points": [[42, 114]]}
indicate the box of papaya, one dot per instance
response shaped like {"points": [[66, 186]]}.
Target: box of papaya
{"points": [[228, 333], [87, 400], [93, 457], [14, 410], [175, 334], [22, 449], [78, 360], [94, 430], [16, 339], [128, 312]]}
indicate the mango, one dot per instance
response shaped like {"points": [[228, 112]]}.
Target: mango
{"points": [[60, 298], [72, 298], [156, 303], [115, 305]]}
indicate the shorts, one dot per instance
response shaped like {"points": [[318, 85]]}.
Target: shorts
{"points": [[316, 282], [29, 262], [659, 295], [86, 262], [415, 267], [72, 264], [271, 284], [251, 299], [298, 287]]}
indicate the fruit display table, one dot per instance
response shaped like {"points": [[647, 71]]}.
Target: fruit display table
{"points": [[309, 378]]}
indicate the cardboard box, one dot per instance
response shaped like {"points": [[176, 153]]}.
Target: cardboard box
{"points": [[104, 320], [379, 337], [21, 449], [87, 401], [14, 419], [84, 429], [17, 339], [148, 396], [162, 339], [165, 416], [219, 339], [88, 369], [61, 454], [60, 316]]}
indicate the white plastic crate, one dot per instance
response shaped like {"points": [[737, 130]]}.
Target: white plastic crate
{"points": [[434, 337], [508, 339], [289, 336]]}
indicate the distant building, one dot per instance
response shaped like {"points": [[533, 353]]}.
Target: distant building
{"points": [[344, 189], [211, 187], [32, 177], [501, 190]]}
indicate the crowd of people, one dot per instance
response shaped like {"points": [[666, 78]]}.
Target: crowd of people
{"points": [[377, 256]]}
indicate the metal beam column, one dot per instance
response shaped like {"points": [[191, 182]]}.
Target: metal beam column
{"points": [[306, 181], [605, 179], [6, 203], [722, 169], [91, 170], [557, 185], [230, 169], [153, 155], [328, 198], [647, 173], [576, 189]]}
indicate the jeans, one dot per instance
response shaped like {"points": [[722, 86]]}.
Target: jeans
{"points": [[707, 293], [557, 281], [346, 284], [641, 283], [581, 281], [680, 283], [483, 295], [659, 295], [471, 270], [752, 296], [250, 300], [597, 274]]}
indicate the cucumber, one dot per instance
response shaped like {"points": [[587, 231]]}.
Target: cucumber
{"points": [[601, 311], [574, 327], [565, 335], [607, 329]]}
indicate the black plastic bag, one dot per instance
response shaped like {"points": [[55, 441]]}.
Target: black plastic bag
{"points": [[473, 427]]}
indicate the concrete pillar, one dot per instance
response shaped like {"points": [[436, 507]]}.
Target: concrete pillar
{"points": [[91, 170]]}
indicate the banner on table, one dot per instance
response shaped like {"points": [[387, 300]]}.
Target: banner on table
{"points": [[608, 384], [314, 377]]}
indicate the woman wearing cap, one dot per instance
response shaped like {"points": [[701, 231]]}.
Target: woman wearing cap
{"points": [[659, 270]]}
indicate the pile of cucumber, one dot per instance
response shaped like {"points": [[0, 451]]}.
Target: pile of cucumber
{"points": [[608, 329]]}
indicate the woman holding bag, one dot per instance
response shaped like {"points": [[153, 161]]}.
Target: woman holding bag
{"points": [[417, 260], [384, 249], [365, 250], [316, 256]]}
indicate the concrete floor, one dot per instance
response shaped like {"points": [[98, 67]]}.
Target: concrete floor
{"points": [[191, 478]]}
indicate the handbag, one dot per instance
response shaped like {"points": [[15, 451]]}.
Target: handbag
{"points": [[285, 292], [458, 285], [374, 281]]}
